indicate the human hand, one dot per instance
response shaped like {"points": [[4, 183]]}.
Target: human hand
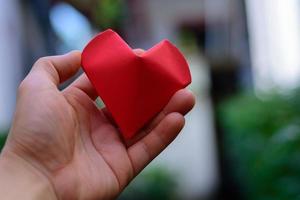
{"points": [[63, 147]]}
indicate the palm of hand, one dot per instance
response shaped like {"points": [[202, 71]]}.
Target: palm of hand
{"points": [[74, 144]]}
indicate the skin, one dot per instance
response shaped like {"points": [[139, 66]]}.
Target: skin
{"points": [[61, 146]]}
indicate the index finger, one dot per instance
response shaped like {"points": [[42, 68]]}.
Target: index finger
{"points": [[52, 70]]}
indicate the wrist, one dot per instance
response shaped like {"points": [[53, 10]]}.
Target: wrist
{"points": [[20, 180]]}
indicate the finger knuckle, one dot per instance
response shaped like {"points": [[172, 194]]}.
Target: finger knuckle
{"points": [[24, 85], [42, 61]]}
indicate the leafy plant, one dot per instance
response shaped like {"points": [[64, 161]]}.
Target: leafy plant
{"points": [[154, 183], [109, 13], [262, 139], [2, 140]]}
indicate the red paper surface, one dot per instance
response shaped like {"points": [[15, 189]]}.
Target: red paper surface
{"points": [[134, 88]]}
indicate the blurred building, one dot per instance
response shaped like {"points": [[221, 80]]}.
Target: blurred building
{"points": [[274, 27], [42, 28]]}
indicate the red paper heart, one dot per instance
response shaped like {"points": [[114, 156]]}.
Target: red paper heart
{"points": [[133, 87]]}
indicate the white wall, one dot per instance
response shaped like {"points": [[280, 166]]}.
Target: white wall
{"points": [[274, 29]]}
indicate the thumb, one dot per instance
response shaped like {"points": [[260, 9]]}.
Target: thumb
{"points": [[53, 70]]}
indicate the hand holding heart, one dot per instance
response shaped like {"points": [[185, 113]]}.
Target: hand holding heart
{"points": [[61, 146]]}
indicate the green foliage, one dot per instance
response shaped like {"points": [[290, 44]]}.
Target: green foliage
{"points": [[109, 13], [188, 40], [262, 139], [154, 183], [2, 140]]}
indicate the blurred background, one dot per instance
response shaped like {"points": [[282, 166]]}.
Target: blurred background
{"points": [[242, 140]]}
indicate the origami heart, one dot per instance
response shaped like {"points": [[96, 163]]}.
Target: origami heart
{"points": [[133, 87]]}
